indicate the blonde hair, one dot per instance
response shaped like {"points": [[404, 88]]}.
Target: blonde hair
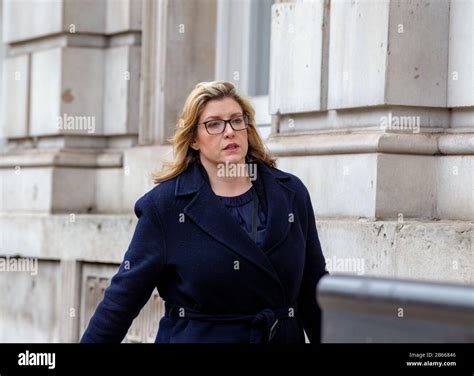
{"points": [[186, 130]]}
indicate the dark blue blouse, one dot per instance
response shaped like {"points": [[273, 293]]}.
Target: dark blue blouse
{"points": [[241, 208]]}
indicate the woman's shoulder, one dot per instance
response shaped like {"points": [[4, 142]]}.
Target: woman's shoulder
{"points": [[156, 197]]}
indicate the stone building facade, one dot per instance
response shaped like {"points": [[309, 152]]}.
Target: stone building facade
{"points": [[369, 102]]}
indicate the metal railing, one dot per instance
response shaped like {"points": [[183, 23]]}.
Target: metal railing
{"points": [[365, 309]]}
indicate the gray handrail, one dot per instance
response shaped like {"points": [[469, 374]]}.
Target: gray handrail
{"points": [[369, 309]]}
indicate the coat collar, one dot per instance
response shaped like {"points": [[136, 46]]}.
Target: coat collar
{"points": [[207, 211], [190, 180]]}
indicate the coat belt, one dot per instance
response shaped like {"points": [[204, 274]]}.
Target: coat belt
{"points": [[264, 324]]}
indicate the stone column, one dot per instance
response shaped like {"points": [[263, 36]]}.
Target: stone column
{"points": [[374, 110], [179, 39], [179, 51], [73, 85], [69, 306]]}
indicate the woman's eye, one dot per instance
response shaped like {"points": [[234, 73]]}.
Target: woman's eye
{"points": [[213, 124], [237, 121]]}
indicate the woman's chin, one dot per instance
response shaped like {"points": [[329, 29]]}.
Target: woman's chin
{"points": [[235, 158]]}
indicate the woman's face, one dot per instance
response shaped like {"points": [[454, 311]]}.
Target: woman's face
{"points": [[212, 147]]}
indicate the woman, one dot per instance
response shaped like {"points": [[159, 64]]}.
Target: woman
{"points": [[229, 241]]}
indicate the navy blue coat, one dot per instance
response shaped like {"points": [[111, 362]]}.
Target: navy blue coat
{"points": [[218, 285]]}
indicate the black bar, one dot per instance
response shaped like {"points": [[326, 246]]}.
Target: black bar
{"points": [[325, 359]]}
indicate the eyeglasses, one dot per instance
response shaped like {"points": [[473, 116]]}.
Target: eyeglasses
{"points": [[217, 126]]}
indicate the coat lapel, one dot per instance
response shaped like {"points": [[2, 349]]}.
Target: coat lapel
{"points": [[280, 201], [208, 212]]}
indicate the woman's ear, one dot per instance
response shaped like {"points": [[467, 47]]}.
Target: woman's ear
{"points": [[194, 145]]}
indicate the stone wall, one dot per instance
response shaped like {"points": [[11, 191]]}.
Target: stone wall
{"points": [[375, 112]]}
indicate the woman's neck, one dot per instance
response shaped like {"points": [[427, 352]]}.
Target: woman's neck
{"points": [[227, 180]]}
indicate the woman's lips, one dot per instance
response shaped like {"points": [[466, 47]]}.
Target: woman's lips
{"points": [[232, 148]]}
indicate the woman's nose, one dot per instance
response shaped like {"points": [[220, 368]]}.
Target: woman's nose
{"points": [[228, 128]]}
